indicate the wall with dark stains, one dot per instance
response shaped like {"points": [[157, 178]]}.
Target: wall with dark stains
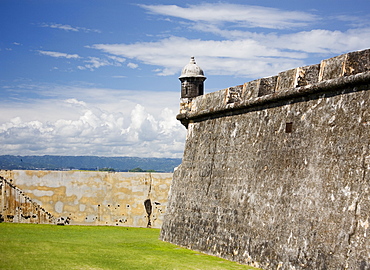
{"points": [[275, 172], [86, 198], [16, 206]]}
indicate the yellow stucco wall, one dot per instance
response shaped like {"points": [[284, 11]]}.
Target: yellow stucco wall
{"points": [[97, 198]]}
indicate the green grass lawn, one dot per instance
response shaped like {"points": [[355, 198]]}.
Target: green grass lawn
{"points": [[32, 246]]}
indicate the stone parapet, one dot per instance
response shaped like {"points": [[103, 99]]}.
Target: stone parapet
{"points": [[347, 69]]}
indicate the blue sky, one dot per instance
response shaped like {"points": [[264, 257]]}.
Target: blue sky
{"points": [[101, 77]]}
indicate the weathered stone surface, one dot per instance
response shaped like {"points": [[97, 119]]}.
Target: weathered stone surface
{"points": [[16, 206], [332, 68], [267, 86], [357, 62], [286, 80], [308, 75], [234, 94], [90, 198], [280, 181], [250, 89]]}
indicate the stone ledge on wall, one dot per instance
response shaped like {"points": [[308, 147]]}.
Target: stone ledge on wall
{"points": [[347, 69]]}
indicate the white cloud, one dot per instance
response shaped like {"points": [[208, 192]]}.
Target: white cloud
{"points": [[226, 57], [74, 101], [243, 15], [96, 62], [92, 63], [354, 21], [92, 121], [132, 65], [239, 53], [67, 27], [234, 50], [117, 59], [325, 41], [59, 54]]}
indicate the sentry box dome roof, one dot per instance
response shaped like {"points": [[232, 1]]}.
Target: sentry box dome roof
{"points": [[192, 70]]}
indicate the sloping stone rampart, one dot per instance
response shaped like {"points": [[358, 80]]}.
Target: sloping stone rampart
{"points": [[275, 172], [86, 198]]}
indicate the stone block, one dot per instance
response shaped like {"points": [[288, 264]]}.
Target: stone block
{"points": [[267, 86], [286, 80], [209, 102], [308, 75], [185, 105], [234, 94], [332, 68], [357, 62], [250, 89]]}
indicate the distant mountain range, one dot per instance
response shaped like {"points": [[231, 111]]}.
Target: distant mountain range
{"points": [[122, 164]]}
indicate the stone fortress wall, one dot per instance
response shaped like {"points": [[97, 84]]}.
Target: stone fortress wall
{"points": [[84, 197], [275, 172]]}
